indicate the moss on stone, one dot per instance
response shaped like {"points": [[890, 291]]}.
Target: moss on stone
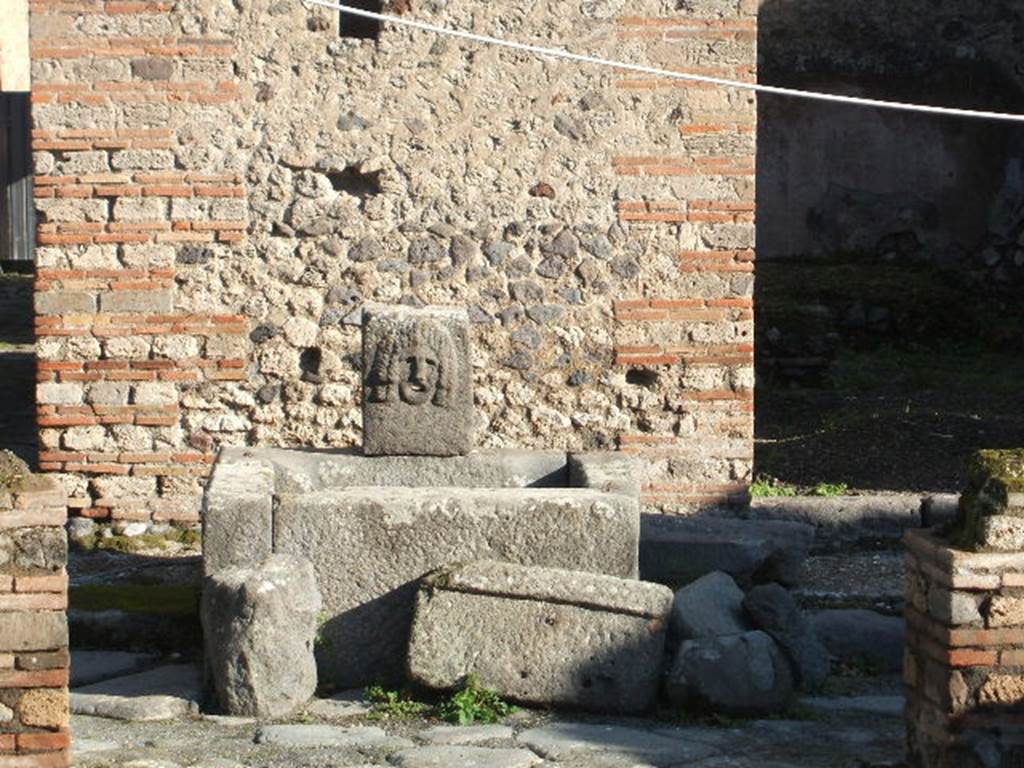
{"points": [[1001, 472], [992, 476], [135, 598], [14, 473]]}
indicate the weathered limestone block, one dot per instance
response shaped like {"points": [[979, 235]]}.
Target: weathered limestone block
{"points": [[370, 546], [259, 626], [733, 674], [542, 635], [417, 383], [237, 515]]}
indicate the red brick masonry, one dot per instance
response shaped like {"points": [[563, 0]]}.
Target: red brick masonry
{"points": [[33, 629], [964, 663]]}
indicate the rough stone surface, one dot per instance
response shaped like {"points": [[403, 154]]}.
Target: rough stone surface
{"points": [[417, 382], [237, 515], [291, 471], [342, 705], [465, 757], [561, 741], [859, 635], [336, 736], [259, 627], [542, 635], [676, 551], [276, 189], [773, 610], [605, 471], [841, 519], [465, 734], [397, 535], [22, 631], [43, 708], [710, 606], [734, 674], [163, 693]]}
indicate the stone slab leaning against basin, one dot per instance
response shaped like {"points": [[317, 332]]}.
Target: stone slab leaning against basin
{"points": [[542, 635], [373, 526]]}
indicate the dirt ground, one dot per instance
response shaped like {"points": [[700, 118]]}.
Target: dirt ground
{"points": [[892, 420]]}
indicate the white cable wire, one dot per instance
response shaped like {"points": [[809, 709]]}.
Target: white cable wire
{"points": [[559, 53]]}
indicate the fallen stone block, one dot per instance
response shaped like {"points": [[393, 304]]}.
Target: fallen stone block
{"points": [[541, 635], [710, 606], [744, 675], [676, 551], [773, 609], [260, 624]]}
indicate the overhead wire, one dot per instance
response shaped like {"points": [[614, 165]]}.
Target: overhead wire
{"points": [[560, 53]]}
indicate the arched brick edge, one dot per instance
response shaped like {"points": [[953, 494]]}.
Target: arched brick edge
{"points": [[34, 656]]}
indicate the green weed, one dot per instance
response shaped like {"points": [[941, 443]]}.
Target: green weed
{"points": [[766, 486], [388, 704], [474, 704]]}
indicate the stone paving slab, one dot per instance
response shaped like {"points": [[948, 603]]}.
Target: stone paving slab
{"points": [[465, 757], [164, 693], [890, 706], [849, 735], [560, 740], [340, 706], [88, 667], [465, 734], [313, 736]]}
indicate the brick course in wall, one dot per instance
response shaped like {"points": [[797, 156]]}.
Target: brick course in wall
{"points": [[33, 631], [220, 189]]}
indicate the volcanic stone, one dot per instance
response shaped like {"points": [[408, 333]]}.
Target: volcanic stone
{"points": [[259, 626], [541, 635]]}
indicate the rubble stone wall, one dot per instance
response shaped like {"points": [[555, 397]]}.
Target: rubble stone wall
{"points": [[222, 186], [33, 629]]}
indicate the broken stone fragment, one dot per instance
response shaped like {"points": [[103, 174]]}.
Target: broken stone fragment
{"points": [[259, 625], [744, 675], [773, 609], [541, 635], [709, 607]]}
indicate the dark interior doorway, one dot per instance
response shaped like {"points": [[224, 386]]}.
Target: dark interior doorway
{"points": [[889, 324]]}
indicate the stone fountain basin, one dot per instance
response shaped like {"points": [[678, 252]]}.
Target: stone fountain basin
{"points": [[373, 526]]}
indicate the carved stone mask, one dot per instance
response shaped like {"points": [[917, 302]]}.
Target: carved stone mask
{"points": [[420, 375], [417, 364]]}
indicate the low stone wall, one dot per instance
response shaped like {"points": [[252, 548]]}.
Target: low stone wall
{"points": [[964, 655], [33, 629]]}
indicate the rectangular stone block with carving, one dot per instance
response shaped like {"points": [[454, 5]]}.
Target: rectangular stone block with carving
{"points": [[417, 383], [542, 635]]}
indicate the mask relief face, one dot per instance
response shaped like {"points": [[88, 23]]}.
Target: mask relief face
{"points": [[419, 376]]}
